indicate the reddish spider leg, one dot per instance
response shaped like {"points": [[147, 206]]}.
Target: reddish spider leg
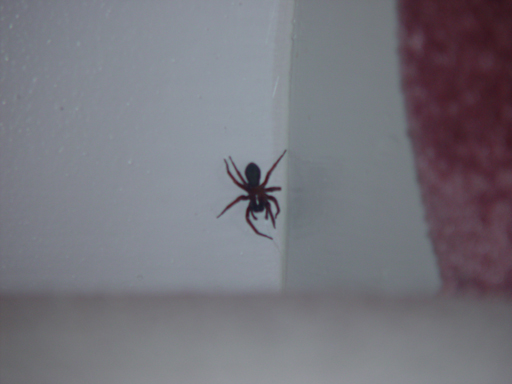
{"points": [[237, 172], [271, 170], [273, 199], [238, 199], [247, 218], [268, 209], [244, 185]]}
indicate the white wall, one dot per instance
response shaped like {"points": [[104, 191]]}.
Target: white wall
{"points": [[115, 117], [355, 216]]}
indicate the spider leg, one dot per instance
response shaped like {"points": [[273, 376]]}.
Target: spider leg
{"points": [[247, 218], [274, 200], [272, 169], [253, 215], [268, 208], [272, 189], [237, 171], [238, 199], [233, 178]]}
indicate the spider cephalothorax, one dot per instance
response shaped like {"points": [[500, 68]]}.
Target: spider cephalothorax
{"points": [[257, 193]]}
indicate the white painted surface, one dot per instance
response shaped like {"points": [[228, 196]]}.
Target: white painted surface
{"points": [[114, 120], [313, 339], [355, 217]]}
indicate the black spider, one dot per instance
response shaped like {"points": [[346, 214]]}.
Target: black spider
{"points": [[257, 194]]}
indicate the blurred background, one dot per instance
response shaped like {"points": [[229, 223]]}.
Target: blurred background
{"points": [[115, 118]]}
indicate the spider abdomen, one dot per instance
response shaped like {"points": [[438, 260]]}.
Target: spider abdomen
{"points": [[253, 173]]}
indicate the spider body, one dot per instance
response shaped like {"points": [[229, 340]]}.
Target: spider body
{"points": [[257, 194], [253, 173]]}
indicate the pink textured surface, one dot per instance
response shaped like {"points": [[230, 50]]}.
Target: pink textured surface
{"points": [[457, 78]]}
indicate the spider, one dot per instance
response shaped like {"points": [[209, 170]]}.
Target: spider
{"points": [[257, 193]]}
